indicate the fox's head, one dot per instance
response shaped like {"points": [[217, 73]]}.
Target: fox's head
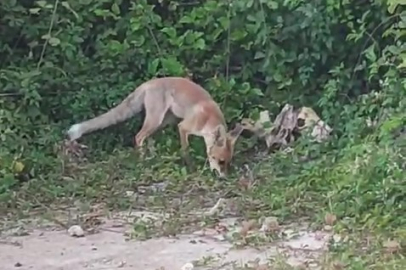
{"points": [[221, 151]]}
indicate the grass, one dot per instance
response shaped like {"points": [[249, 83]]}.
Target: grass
{"points": [[359, 185]]}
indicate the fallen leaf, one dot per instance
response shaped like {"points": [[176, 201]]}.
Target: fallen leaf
{"points": [[330, 219], [244, 183], [262, 267], [18, 167], [220, 203], [392, 246], [270, 224], [338, 265], [247, 226], [221, 228], [328, 228]]}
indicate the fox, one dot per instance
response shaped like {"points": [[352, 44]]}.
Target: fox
{"points": [[169, 100]]}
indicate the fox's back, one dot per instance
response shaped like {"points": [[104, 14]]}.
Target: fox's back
{"points": [[184, 94], [179, 87]]}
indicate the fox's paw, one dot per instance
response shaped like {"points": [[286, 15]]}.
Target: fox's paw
{"points": [[187, 161], [141, 151]]}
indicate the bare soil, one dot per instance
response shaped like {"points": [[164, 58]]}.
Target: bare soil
{"points": [[51, 248]]}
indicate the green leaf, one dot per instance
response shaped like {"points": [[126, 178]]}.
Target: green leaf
{"points": [[392, 5], [7, 181], [403, 64], [170, 31], [395, 50], [259, 55], [391, 8], [186, 19], [245, 88], [252, 18], [66, 5], [53, 41], [272, 4], [41, 3], [370, 53], [135, 24], [172, 66], [257, 92], [46, 36], [115, 8], [238, 34], [225, 22], [153, 66], [200, 44], [34, 10], [277, 77]]}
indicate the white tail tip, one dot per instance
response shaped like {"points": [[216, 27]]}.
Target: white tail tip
{"points": [[74, 132]]}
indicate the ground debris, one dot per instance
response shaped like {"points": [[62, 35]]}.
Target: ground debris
{"points": [[217, 207], [287, 126], [187, 266], [71, 151], [76, 231]]}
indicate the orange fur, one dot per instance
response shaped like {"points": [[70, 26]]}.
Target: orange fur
{"points": [[167, 99]]}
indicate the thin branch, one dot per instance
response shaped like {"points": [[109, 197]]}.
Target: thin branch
{"points": [[51, 25], [10, 95], [228, 49], [370, 36]]}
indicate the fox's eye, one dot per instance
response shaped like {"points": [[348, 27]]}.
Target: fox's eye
{"points": [[221, 162]]}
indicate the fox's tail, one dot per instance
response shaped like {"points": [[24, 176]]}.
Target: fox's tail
{"points": [[129, 107]]}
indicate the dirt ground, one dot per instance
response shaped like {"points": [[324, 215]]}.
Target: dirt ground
{"points": [[51, 248]]}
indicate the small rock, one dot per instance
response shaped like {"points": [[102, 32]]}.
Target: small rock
{"points": [[330, 219], [328, 228], [107, 261], [188, 266], [129, 193], [117, 224], [270, 224], [17, 264], [76, 231], [337, 238], [392, 246], [262, 267], [338, 265]]}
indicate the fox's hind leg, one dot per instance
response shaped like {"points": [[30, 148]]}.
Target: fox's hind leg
{"points": [[150, 125], [154, 117]]}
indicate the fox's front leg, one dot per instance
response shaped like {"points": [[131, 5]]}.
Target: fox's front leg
{"points": [[184, 134]]}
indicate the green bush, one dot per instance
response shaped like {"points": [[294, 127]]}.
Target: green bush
{"points": [[65, 61]]}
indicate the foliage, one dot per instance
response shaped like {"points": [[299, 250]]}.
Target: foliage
{"points": [[65, 61]]}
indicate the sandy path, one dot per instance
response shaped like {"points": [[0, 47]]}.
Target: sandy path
{"points": [[109, 249]]}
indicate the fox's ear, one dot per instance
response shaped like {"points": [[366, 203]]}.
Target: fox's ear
{"points": [[233, 135], [220, 135]]}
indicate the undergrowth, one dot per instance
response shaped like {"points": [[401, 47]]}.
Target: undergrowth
{"points": [[65, 61]]}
